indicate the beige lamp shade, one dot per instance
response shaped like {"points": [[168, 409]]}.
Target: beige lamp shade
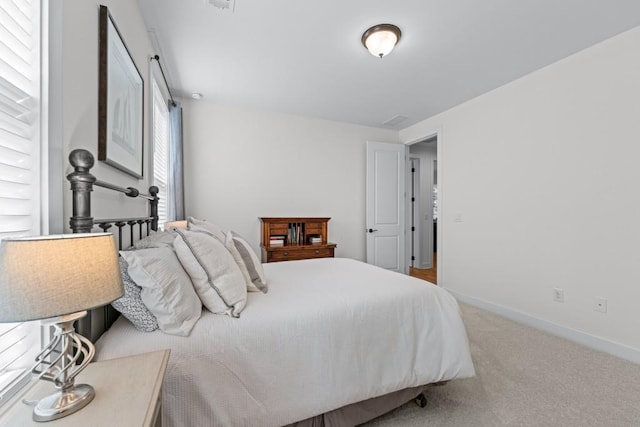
{"points": [[172, 225], [48, 276]]}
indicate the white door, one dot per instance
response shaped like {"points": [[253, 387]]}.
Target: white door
{"points": [[385, 196]]}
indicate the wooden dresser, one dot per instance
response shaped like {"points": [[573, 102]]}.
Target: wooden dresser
{"points": [[285, 239]]}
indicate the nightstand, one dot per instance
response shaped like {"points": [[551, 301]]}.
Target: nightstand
{"points": [[128, 393]]}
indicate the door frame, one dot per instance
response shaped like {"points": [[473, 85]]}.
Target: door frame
{"points": [[414, 215], [437, 133]]}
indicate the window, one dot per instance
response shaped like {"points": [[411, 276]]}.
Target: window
{"points": [[21, 154], [160, 150]]}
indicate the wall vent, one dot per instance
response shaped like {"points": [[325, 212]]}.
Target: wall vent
{"points": [[394, 121], [223, 4]]}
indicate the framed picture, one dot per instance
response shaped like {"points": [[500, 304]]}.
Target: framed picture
{"points": [[120, 102]]}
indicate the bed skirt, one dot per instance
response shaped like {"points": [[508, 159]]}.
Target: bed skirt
{"points": [[361, 412]]}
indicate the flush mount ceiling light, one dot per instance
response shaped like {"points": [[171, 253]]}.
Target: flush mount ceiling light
{"points": [[197, 95], [381, 39]]}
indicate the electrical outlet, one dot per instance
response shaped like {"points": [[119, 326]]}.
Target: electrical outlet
{"points": [[600, 304], [558, 295]]}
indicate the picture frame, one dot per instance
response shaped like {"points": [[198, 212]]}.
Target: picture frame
{"points": [[120, 101]]}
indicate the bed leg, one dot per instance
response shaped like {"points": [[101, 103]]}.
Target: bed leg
{"points": [[421, 400]]}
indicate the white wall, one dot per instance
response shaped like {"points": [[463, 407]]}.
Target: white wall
{"points": [[242, 164], [544, 172], [79, 103]]}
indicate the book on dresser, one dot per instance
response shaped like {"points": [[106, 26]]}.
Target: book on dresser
{"points": [[315, 240], [277, 241], [294, 238]]}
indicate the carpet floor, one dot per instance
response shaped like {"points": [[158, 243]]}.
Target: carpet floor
{"points": [[525, 377]]}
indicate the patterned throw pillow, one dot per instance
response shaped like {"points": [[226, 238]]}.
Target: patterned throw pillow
{"points": [[167, 290], [131, 305]]}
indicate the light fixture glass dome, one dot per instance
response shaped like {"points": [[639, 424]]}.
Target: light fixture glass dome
{"points": [[381, 39]]}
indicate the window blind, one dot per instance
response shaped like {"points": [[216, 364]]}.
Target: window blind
{"points": [[160, 149], [20, 154]]}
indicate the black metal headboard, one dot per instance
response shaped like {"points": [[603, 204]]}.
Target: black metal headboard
{"points": [[82, 182]]}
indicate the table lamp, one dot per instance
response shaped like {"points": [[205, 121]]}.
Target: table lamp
{"points": [[57, 278], [172, 225]]}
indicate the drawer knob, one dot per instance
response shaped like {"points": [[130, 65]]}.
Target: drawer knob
{"points": [[286, 254], [317, 251]]}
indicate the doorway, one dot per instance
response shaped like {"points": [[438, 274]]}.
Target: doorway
{"points": [[423, 209]]}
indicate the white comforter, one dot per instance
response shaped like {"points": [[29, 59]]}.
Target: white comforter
{"points": [[329, 332]]}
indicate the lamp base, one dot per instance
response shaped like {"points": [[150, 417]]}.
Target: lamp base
{"points": [[63, 403]]}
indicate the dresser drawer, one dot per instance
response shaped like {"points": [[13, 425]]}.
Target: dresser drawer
{"points": [[313, 228], [292, 254], [279, 229]]}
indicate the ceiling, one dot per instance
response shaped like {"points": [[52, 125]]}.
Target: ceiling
{"points": [[305, 57]]}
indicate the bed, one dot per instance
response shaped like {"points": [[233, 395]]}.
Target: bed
{"points": [[334, 341]]}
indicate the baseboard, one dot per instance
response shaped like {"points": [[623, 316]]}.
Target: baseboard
{"points": [[597, 343]]}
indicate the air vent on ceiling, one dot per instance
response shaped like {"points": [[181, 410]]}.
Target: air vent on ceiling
{"points": [[394, 121], [224, 4]]}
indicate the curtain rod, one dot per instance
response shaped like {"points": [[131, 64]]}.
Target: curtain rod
{"points": [[157, 58]]}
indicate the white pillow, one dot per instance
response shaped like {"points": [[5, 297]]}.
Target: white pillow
{"points": [[155, 240], [199, 224], [167, 290], [214, 273], [237, 257], [251, 261], [227, 240]]}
